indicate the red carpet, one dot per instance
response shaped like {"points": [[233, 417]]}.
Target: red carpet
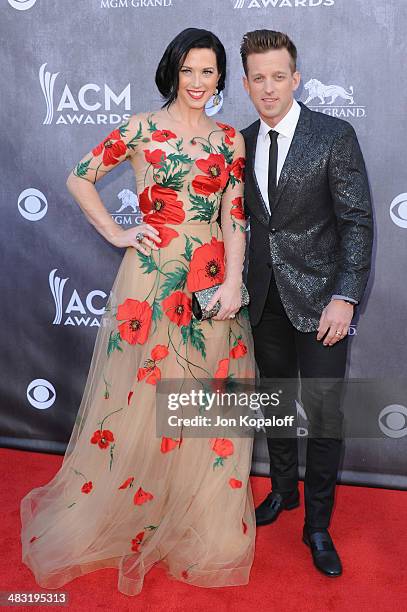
{"points": [[369, 528]]}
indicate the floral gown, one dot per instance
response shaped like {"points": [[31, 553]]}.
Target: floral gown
{"points": [[123, 497]]}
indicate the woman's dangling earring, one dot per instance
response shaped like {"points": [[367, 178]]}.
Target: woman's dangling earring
{"points": [[216, 98]]}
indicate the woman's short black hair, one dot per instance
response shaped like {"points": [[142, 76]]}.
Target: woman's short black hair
{"points": [[167, 75]]}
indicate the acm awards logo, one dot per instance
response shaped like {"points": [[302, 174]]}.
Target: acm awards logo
{"points": [[22, 5], [265, 4], [90, 104], [333, 100], [78, 312], [398, 210]]}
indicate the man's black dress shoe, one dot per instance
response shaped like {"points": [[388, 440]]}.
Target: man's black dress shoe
{"points": [[324, 554], [273, 505]]}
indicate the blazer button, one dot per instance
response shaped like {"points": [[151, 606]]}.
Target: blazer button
{"points": [[273, 230]]}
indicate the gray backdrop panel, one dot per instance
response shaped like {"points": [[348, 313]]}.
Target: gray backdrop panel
{"points": [[71, 71]]}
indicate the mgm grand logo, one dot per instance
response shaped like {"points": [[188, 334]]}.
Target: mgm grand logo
{"points": [[129, 212], [333, 100]]}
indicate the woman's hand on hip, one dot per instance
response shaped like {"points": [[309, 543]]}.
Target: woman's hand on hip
{"points": [[128, 238]]}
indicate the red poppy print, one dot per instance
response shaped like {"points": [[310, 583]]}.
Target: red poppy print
{"points": [[127, 483], [129, 397], [216, 175], [239, 350], [102, 438], [159, 352], [160, 205], [178, 308], [151, 372], [244, 526], [185, 574], [235, 484], [167, 234], [230, 132], [113, 148], [155, 158], [207, 267], [168, 444], [237, 168], [141, 497], [163, 135], [33, 539], [222, 447], [137, 320], [223, 367], [87, 487], [135, 543], [237, 209]]}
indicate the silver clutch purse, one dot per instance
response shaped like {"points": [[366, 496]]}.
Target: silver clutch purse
{"points": [[200, 299]]}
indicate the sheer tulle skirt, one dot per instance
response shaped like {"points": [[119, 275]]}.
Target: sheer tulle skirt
{"points": [[127, 499]]}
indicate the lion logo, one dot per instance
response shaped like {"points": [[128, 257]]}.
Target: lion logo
{"points": [[128, 200], [316, 89]]}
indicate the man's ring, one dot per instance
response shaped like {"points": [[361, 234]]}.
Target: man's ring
{"points": [[338, 333], [139, 237]]}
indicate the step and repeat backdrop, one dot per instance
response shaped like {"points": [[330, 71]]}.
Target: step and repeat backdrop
{"points": [[71, 71]]}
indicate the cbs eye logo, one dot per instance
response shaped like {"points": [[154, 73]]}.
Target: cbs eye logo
{"points": [[41, 394], [22, 5], [398, 210], [393, 421], [32, 204]]}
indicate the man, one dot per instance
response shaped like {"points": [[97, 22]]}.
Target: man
{"points": [[307, 199]]}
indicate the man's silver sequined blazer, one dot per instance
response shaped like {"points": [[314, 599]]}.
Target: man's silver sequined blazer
{"points": [[318, 238]]}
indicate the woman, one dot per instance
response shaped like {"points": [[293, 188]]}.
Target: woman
{"points": [[124, 497]]}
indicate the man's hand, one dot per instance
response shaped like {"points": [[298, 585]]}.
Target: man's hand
{"points": [[336, 318]]}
